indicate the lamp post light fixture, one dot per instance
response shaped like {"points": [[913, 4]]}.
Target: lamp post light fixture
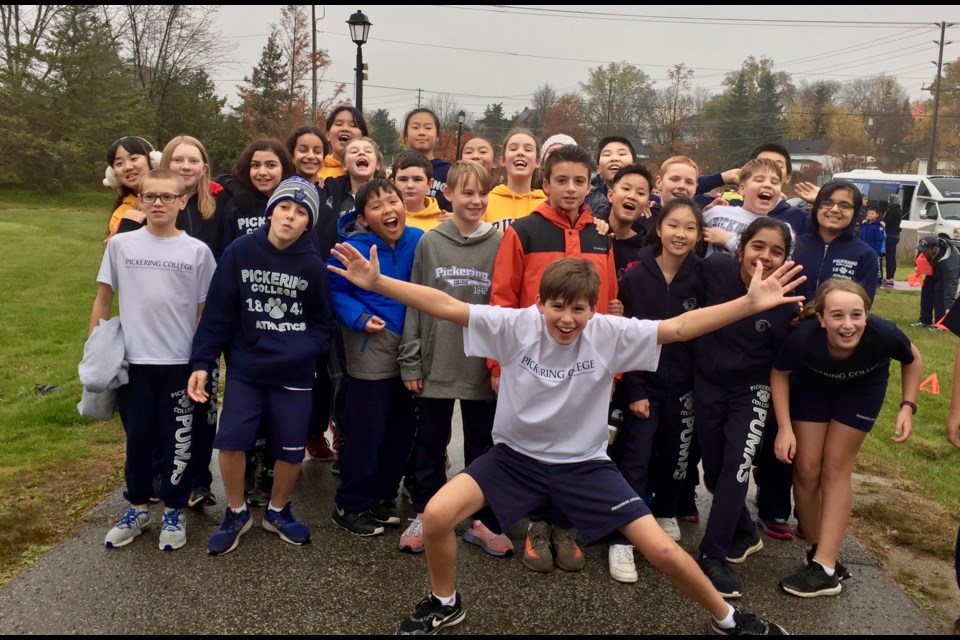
{"points": [[461, 118], [359, 30]]}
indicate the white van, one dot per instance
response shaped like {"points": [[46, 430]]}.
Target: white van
{"points": [[931, 204]]}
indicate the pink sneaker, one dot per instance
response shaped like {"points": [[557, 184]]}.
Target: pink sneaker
{"points": [[495, 544], [779, 529], [411, 541]]}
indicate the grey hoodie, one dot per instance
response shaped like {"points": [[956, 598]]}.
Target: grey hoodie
{"points": [[432, 350]]}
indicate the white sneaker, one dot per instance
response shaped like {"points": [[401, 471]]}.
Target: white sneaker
{"points": [[173, 531], [622, 566], [132, 524], [670, 527]]}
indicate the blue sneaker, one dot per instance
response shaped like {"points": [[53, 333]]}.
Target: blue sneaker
{"points": [[228, 535], [284, 524]]}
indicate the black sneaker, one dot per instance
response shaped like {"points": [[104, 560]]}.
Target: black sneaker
{"points": [[430, 616], [747, 624], [743, 547], [385, 512], [811, 581], [200, 497], [842, 572], [719, 573], [361, 524]]}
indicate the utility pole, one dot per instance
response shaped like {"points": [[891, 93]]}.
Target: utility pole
{"points": [[932, 161], [313, 61], [419, 92]]}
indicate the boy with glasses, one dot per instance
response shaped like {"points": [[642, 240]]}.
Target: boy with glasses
{"points": [[164, 275]]}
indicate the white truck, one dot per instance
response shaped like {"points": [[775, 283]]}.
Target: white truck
{"points": [[931, 204]]}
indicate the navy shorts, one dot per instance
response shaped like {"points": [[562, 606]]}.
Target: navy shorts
{"points": [[855, 404], [285, 412], [592, 494]]}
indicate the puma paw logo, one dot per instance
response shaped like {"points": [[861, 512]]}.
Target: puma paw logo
{"points": [[763, 396], [185, 401], [275, 308]]}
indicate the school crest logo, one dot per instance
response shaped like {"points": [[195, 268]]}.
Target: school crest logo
{"points": [[689, 304], [761, 325]]}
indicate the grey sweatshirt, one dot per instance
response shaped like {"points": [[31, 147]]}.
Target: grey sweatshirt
{"points": [[432, 350]]}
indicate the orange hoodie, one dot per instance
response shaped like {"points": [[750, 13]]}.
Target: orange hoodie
{"points": [[426, 218], [332, 168], [505, 206], [129, 202]]}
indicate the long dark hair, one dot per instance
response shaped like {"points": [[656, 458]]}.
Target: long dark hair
{"points": [[654, 239]]}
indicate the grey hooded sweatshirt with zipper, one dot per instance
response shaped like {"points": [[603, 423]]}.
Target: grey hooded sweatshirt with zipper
{"points": [[432, 350]]}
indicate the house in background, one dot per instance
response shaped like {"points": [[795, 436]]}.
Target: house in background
{"points": [[816, 156]]}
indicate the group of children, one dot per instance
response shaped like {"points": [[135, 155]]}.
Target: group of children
{"points": [[445, 287]]}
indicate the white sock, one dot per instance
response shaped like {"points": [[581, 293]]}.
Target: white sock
{"points": [[830, 570], [448, 601], [273, 508], [727, 623], [241, 509]]}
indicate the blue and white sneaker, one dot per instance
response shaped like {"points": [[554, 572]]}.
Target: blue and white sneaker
{"points": [[173, 531], [284, 524], [132, 524], [227, 537]]}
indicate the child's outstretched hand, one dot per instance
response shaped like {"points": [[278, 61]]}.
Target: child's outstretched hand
{"points": [[357, 269], [770, 292]]}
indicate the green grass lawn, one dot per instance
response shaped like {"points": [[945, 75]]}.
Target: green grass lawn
{"points": [[926, 459], [51, 252]]}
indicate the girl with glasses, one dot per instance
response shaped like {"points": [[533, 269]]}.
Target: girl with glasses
{"points": [[830, 250]]}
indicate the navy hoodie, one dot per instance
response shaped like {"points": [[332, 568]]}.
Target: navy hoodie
{"points": [[267, 311], [335, 201], [742, 352], [646, 295], [798, 219], [626, 251], [441, 168], [846, 257], [243, 213]]}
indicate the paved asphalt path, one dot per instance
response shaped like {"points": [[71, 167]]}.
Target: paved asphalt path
{"points": [[342, 584]]}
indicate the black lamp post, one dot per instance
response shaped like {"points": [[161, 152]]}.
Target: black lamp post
{"points": [[461, 118], [359, 30]]}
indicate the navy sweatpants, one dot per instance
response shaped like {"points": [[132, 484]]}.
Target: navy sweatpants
{"points": [[382, 422], [157, 414], [730, 425], [774, 478], [433, 436], [205, 429], [652, 452]]}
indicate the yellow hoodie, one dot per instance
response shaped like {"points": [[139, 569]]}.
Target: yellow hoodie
{"points": [[426, 218], [332, 168], [129, 202], [505, 206]]}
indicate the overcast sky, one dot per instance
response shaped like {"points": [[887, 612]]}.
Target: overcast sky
{"points": [[482, 55]]}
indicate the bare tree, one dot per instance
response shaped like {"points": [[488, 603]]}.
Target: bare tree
{"points": [[164, 41], [446, 107], [543, 100], [672, 107], [23, 29]]}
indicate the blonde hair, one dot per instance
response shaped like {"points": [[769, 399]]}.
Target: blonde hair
{"points": [[672, 160], [381, 171], [462, 170], [755, 165], [206, 203], [817, 305]]}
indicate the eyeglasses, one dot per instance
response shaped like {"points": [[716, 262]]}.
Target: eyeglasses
{"points": [[845, 207], [165, 198]]}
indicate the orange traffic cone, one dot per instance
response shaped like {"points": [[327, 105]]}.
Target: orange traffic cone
{"points": [[931, 385]]}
